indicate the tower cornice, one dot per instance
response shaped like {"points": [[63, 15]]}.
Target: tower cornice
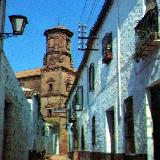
{"points": [[59, 52], [58, 68], [58, 29]]}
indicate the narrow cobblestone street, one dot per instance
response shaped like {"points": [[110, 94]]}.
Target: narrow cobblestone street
{"points": [[56, 157]]}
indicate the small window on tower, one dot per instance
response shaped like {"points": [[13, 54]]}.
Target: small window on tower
{"points": [[49, 112], [50, 87], [68, 43]]}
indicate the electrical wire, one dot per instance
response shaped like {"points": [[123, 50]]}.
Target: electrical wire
{"points": [[84, 7], [91, 13]]}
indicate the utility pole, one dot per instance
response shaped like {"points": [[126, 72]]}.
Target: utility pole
{"points": [[82, 36]]}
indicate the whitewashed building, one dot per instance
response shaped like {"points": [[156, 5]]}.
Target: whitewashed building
{"points": [[22, 128], [113, 107], [42, 136]]}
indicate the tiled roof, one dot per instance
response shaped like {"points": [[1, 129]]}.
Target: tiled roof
{"points": [[28, 73]]}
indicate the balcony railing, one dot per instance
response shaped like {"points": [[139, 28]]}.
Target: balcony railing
{"points": [[147, 34]]}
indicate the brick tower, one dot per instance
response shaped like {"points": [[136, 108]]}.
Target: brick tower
{"points": [[56, 80]]}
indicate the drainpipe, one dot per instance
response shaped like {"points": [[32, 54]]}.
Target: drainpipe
{"points": [[119, 64]]}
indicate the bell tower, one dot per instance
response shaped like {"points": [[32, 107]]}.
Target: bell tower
{"points": [[57, 78], [58, 47]]}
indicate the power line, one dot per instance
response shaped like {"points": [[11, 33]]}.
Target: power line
{"points": [[79, 22], [84, 7], [92, 11]]}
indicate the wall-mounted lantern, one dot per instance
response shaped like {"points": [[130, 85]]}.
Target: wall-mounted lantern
{"points": [[18, 24]]}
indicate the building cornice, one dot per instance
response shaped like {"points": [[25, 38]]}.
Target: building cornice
{"points": [[58, 68]]}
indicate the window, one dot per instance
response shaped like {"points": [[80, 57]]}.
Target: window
{"points": [[74, 102], [107, 48], [93, 130], [50, 87], [129, 126], [91, 77], [71, 115], [68, 83], [79, 98], [68, 44], [82, 139], [49, 112], [50, 84]]}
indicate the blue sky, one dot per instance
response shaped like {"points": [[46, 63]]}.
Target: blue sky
{"points": [[27, 51]]}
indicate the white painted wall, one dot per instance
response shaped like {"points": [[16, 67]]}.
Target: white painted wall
{"points": [[134, 79]]}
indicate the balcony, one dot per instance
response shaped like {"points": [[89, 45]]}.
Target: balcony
{"points": [[147, 34]]}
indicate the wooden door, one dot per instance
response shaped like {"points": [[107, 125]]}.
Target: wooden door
{"points": [[155, 112]]}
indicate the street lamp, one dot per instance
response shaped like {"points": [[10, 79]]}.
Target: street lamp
{"points": [[18, 24]]}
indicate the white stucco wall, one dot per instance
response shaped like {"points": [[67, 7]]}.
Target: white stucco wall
{"points": [[19, 113], [134, 79]]}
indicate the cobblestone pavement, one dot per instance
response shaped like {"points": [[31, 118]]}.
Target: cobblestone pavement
{"points": [[56, 157]]}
